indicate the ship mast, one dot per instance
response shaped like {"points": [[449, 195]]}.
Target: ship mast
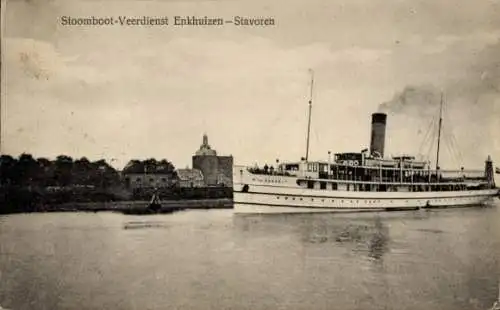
{"points": [[309, 119], [439, 130]]}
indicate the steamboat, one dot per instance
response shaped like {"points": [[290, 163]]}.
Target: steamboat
{"points": [[360, 181]]}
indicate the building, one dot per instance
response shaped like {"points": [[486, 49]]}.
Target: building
{"points": [[190, 178], [135, 180], [217, 170], [148, 174]]}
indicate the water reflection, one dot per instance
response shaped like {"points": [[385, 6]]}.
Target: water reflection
{"points": [[446, 259], [144, 224], [212, 259], [368, 234]]}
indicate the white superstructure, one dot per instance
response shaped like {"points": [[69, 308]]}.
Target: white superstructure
{"points": [[256, 192]]}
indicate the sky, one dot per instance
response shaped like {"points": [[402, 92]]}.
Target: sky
{"points": [[122, 93]]}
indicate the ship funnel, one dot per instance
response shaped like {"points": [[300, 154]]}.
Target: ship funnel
{"points": [[378, 134]]}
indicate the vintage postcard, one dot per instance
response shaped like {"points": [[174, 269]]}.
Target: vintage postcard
{"points": [[250, 154]]}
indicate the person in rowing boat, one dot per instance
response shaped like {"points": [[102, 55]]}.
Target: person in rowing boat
{"points": [[154, 204]]}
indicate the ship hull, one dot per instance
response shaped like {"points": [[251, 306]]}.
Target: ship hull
{"points": [[284, 202], [254, 194]]}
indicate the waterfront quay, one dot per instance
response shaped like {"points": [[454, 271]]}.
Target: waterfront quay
{"points": [[139, 206]]}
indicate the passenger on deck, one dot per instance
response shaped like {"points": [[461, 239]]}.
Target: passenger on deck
{"points": [[271, 170], [266, 168]]}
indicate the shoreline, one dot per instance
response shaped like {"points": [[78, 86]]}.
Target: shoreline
{"points": [[137, 206], [124, 206]]}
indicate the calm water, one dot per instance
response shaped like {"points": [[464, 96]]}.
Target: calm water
{"points": [[443, 260]]}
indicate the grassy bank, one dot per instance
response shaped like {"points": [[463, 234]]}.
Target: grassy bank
{"points": [[139, 206], [23, 199]]}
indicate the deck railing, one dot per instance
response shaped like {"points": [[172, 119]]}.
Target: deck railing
{"points": [[384, 175]]}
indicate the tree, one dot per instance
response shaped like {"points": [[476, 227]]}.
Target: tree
{"points": [[166, 166], [46, 172], [7, 169], [62, 170], [133, 166], [81, 171], [28, 169], [103, 175]]}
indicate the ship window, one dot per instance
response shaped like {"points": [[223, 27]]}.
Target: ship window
{"points": [[310, 184], [286, 198], [322, 185]]}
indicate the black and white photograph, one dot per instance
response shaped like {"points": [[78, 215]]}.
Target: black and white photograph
{"points": [[250, 154]]}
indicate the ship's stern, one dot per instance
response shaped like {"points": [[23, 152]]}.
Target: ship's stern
{"points": [[240, 178]]}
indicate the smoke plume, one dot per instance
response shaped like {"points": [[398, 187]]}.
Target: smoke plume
{"points": [[471, 113], [418, 101]]}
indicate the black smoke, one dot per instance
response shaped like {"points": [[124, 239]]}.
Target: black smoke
{"points": [[419, 101], [471, 111]]}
